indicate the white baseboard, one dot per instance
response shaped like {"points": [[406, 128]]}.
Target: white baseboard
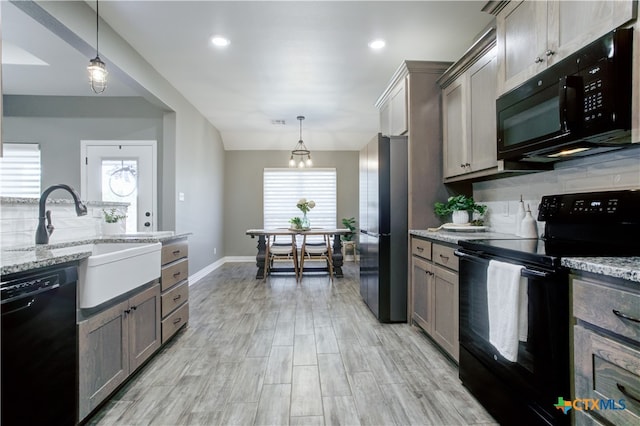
{"points": [[215, 265]]}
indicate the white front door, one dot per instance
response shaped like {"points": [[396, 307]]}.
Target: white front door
{"points": [[122, 171]]}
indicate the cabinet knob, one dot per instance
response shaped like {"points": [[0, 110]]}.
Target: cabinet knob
{"points": [[147, 224], [549, 52], [538, 60]]}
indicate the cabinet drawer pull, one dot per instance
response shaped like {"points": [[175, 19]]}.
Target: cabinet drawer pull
{"points": [[176, 252], [429, 273], [176, 275], [177, 320], [444, 258], [538, 60], [178, 297], [624, 316], [420, 249], [626, 393], [550, 52]]}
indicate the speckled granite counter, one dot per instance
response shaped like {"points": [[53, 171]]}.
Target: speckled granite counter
{"points": [[454, 237], [21, 259], [627, 268]]}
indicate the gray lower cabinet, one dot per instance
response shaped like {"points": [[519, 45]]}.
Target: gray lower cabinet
{"points": [[434, 293], [113, 343], [606, 347]]}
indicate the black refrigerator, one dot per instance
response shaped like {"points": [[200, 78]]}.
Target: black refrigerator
{"points": [[383, 227]]}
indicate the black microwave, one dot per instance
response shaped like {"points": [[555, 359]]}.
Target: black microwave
{"points": [[579, 106]]}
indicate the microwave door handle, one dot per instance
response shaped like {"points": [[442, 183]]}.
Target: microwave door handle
{"points": [[571, 103]]}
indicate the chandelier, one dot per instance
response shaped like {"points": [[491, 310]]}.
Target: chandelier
{"points": [[97, 69], [300, 151]]}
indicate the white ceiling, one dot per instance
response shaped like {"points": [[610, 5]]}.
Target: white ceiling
{"points": [[285, 59]]}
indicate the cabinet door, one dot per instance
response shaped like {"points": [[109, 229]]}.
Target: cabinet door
{"points": [[103, 357], [482, 131], [521, 29], [454, 128], [398, 125], [574, 24], [421, 293], [144, 323], [445, 311]]}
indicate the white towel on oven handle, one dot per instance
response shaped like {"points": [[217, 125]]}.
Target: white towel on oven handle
{"points": [[507, 302]]}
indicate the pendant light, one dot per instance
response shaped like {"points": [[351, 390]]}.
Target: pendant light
{"points": [[97, 69], [300, 151]]}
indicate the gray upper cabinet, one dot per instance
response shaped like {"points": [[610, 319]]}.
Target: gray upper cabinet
{"points": [[393, 111], [469, 113], [533, 35]]}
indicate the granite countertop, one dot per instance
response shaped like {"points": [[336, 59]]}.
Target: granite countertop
{"points": [[453, 237], [627, 268], [19, 259]]}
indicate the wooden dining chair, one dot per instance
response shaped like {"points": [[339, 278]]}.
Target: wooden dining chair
{"points": [[320, 250], [281, 250]]}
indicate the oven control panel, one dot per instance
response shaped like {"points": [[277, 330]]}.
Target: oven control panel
{"points": [[598, 207]]}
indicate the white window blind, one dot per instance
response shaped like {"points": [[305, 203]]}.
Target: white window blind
{"points": [[20, 170], [284, 187]]}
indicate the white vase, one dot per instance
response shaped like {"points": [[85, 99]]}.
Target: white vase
{"points": [[112, 228], [460, 217]]}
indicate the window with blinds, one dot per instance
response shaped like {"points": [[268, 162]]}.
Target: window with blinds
{"points": [[284, 187], [20, 170]]}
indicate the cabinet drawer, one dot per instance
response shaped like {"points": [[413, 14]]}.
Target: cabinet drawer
{"points": [[444, 256], [421, 248], [608, 371], [173, 322], [174, 250], [174, 298], [174, 273], [595, 303]]}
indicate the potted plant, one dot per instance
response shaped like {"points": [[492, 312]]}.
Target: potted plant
{"points": [[459, 206], [349, 223], [113, 221], [296, 223]]}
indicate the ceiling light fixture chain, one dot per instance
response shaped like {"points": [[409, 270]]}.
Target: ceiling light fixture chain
{"points": [[97, 69], [300, 151]]}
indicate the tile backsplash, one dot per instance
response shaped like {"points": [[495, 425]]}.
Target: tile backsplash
{"points": [[19, 219], [605, 172]]}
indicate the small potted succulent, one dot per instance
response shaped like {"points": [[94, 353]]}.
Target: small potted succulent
{"points": [[114, 221], [459, 207]]}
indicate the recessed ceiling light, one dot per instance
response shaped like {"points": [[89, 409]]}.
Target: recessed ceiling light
{"points": [[220, 41], [377, 44]]}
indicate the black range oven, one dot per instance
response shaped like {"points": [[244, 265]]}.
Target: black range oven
{"points": [[514, 303]]}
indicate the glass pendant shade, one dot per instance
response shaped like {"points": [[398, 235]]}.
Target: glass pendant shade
{"points": [[97, 75]]}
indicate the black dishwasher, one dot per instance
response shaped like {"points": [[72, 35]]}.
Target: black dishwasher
{"points": [[39, 347]]}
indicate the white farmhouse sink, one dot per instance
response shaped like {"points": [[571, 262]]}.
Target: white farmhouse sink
{"points": [[116, 268]]}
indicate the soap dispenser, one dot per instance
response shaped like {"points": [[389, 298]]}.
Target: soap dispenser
{"points": [[529, 227], [520, 217]]}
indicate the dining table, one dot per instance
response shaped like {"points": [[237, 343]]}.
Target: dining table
{"points": [[336, 248]]}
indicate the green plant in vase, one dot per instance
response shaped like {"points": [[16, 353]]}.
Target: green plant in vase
{"points": [[296, 223]]}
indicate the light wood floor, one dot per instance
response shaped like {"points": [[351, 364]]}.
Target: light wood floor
{"points": [[277, 352]]}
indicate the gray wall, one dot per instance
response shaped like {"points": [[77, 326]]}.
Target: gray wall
{"points": [[243, 191], [59, 123]]}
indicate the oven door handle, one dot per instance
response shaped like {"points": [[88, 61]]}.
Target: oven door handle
{"points": [[526, 272], [530, 273]]}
